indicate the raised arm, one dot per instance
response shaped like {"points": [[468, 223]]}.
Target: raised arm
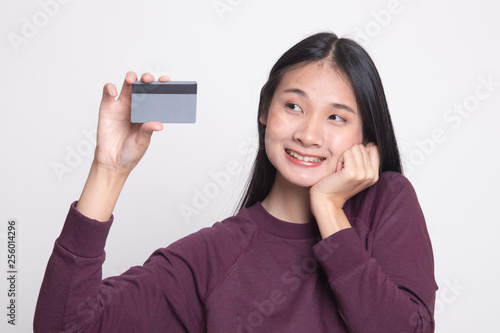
{"points": [[120, 146], [72, 292]]}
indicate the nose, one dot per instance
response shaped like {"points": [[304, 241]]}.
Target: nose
{"points": [[310, 132]]}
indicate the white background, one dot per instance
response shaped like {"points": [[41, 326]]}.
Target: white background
{"points": [[433, 56]]}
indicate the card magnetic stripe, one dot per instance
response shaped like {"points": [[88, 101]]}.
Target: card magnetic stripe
{"points": [[168, 88]]}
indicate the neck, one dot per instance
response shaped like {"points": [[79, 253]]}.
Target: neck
{"points": [[288, 202]]}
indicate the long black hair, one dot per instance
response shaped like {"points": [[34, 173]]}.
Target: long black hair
{"points": [[354, 63]]}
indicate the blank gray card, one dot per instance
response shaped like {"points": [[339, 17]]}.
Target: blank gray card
{"points": [[166, 102]]}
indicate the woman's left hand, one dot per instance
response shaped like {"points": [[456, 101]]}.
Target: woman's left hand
{"points": [[357, 169]]}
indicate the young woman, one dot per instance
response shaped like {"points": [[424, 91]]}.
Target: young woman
{"points": [[329, 238]]}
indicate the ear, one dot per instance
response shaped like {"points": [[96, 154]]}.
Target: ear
{"points": [[263, 119]]}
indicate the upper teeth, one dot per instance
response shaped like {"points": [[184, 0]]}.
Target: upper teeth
{"points": [[305, 158]]}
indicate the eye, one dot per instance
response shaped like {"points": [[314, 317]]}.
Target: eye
{"points": [[293, 107], [336, 117]]}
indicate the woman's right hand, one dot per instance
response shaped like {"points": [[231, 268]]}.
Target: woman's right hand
{"points": [[120, 146], [120, 143]]}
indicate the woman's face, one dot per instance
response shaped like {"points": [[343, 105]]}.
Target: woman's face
{"points": [[312, 119]]}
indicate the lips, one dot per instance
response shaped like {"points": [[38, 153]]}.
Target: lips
{"points": [[300, 159]]}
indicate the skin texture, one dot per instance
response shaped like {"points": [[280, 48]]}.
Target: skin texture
{"points": [[314, 113]]}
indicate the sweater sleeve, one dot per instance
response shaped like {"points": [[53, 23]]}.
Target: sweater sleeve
{"points": [[74, 298], [383, 282]]}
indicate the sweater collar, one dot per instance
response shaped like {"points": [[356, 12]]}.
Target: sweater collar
{"points": [[282, 228]]}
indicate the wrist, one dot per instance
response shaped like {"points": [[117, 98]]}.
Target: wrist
{"points": [[329, 216], [320, 199], [101, 192], [108, 174]]}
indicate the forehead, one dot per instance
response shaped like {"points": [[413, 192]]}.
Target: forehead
{"points": [[320, 81]]}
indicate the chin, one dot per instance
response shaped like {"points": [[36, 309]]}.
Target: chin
{"points": [[301, 182]]}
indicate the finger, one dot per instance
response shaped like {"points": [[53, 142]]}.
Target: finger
{"points": [[363, 164], [371, 170], [361, 169], [370, 144], [147, 78], [152, 126], [366, 158], [163, 78], [357, 156], [374, 156], [340, 163], [109, 93], [146, 131], [126, 92], [348, 162]]}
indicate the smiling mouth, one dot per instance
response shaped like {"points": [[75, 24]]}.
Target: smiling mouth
{"points": [[304, 158]]}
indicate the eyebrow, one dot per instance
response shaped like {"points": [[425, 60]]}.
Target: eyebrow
{"points": [[304, 94]]}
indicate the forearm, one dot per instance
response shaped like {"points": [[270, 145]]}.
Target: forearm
{"points": [[369, 299], [148, 298], [381, 270], [73, 272], [329, 217], [62, 292], [101, 192]]}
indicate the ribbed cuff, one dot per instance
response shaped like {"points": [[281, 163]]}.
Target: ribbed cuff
{"points": [[83, 236], [341, 253]]}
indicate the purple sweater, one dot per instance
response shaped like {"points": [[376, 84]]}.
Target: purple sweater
{"points": [[254, 273]]}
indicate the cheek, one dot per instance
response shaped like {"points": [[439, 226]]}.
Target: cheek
{"points": [[276, 128], [275, 123], [341, 142], [355, 136]]}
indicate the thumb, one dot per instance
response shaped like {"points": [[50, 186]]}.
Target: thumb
{"points": [[152, 126], [147, 129]]}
